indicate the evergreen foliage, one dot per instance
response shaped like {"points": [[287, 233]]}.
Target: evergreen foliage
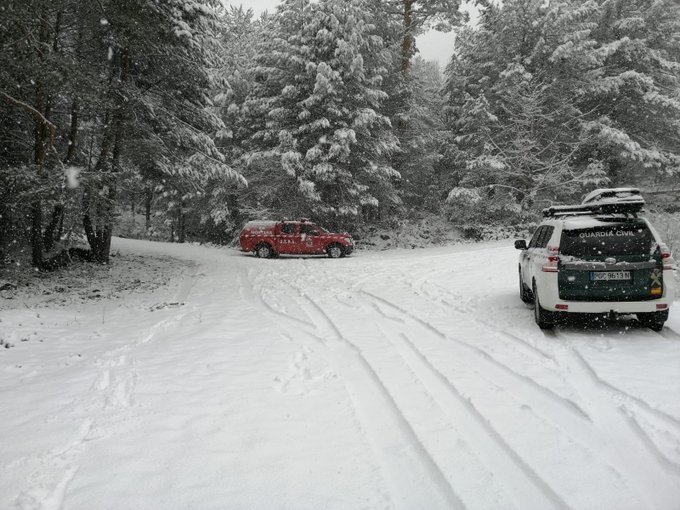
{"points": [[549, 99], [198, 117], [87, 88], [316, 111]]}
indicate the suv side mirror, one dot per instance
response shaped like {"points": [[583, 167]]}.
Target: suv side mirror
{"points": [[520, 244]]}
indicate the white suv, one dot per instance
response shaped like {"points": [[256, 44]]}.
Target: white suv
{"points": [[597, 257]]}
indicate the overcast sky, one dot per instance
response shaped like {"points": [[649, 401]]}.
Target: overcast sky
{"points": [[432, 46]]}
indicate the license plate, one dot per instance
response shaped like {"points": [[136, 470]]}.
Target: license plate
{"points": [[609, 275]]}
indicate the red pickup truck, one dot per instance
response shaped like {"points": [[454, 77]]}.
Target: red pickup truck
{"points": [[272, 238]]}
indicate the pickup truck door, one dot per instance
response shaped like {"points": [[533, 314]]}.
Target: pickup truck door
{"points": [[310, 239], [288, 237]]}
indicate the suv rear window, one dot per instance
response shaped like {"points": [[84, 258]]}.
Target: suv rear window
{"points": [[607, 240]]}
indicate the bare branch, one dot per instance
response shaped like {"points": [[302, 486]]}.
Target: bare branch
{"points": [[35, 113]]}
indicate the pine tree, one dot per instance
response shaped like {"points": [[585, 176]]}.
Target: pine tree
{"points": [[113, 88], [316, 108], [633, 92], [541, 96]]}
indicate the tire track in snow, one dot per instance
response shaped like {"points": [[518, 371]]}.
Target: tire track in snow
{"points": [[520, 481], [596, 434], [186, 286], [250, 296], [530, 389], [617, 395], [399, 452], [657, 416], [570, 418], [531, 351], [633, 453]]}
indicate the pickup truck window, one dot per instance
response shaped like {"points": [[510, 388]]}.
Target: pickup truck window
{"points": [[310, 230], [288, 228]]}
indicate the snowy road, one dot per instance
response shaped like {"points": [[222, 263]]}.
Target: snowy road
{"points": [[404, 379]]}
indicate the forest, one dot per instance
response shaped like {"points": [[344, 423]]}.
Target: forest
{"points": [[187, 118]]}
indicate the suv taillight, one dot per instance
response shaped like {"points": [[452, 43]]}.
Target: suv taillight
{"points": [[666, 257], [553, 260]]}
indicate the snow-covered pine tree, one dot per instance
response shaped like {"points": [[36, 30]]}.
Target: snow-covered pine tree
{"points": [[316, 112], [633, 93], [156, 104], [38, 40], [113, 87], [240, 34], [421, 138], [414, 105], [512, 130], [541, 101]]}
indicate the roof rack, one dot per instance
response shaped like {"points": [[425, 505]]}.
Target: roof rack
{"points": [[602, 201], [618, 195]]}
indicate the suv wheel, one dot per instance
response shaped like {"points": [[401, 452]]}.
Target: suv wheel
{"points": [[524, 292], [263, 251], [544, 319], [653, 320], [335, 251]]}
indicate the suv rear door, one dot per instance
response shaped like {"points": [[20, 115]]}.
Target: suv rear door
{"points": [[537, 253], [609, 260]]}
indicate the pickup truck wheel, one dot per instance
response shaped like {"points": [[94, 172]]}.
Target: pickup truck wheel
{"points": [[263, 251], [544, 319], [653, 320], [335, 251]]}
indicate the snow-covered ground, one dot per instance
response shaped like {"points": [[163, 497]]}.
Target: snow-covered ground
{"points": [[411, 379]]}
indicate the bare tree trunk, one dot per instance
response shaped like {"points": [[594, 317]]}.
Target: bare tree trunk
{"points": [[94, 231], [39, 156], [73, 131], [37, 258], [148, 198], [181, 222], [44, 241], [407, 43], [99, 233], [54, 230]]}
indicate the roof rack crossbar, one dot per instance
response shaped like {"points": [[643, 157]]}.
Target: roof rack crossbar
{"points": [[602, 201], [614, 207]]}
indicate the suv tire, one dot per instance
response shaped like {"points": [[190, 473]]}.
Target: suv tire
{"points": [[524, 292], [653, 320], [544, 319]]}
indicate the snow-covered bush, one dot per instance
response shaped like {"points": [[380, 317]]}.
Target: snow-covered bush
{"points": [[484, 206]]}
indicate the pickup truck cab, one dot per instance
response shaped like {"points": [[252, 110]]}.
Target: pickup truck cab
{"points": [[598, 257], [272, 238]]}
